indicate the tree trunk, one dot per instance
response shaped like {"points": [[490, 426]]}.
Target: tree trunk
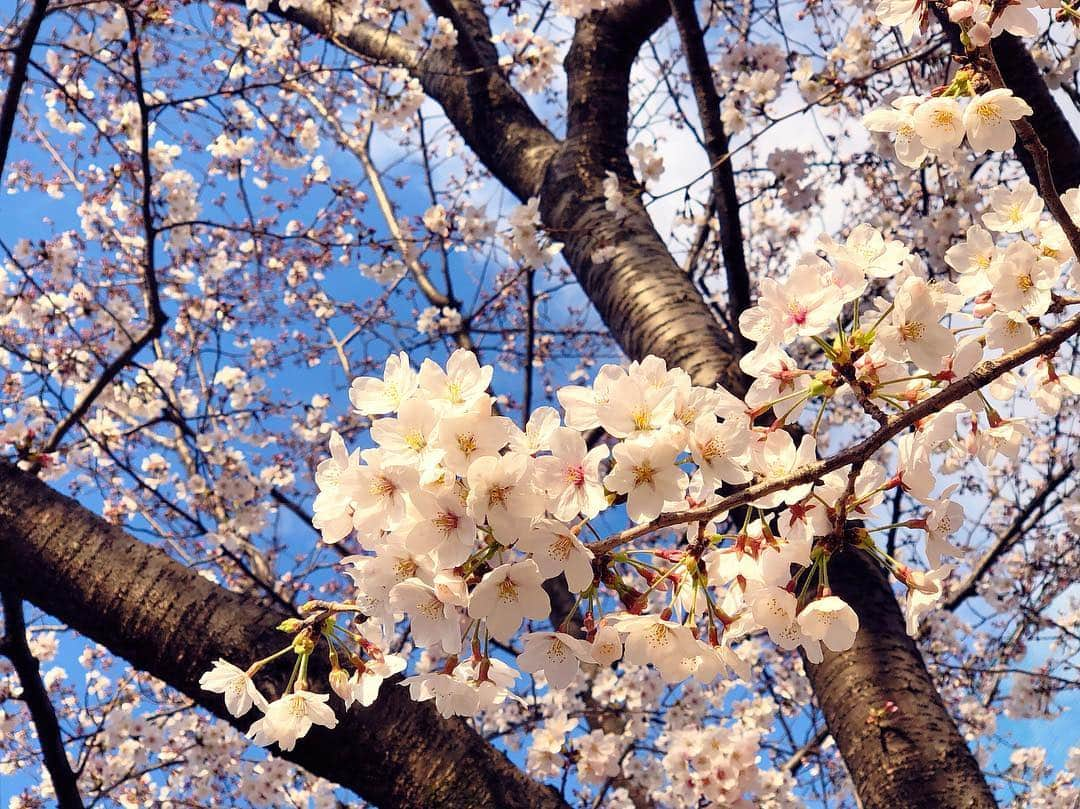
{"points": [[167, 620], [913, 758]]}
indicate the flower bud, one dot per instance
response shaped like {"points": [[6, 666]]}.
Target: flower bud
{"points": [[961, 10], [979, 34], [339, 682]]}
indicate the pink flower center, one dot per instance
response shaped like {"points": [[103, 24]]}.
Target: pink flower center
{"points": [[575, 476]]}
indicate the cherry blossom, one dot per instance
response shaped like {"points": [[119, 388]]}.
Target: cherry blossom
{"points": [[831, 621], [645, 471], [988, 120], [507, 596], [289, 718], [557, 654], [236, 684]]}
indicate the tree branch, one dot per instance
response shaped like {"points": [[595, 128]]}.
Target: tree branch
{"points": [[984, 374], [647, 301], [151, 299], [914, 758], [969, 586], [21, 62], [724, 198], [171, 622], [36, 698]]}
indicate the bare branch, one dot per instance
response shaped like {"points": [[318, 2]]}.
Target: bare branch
{"points": [[36, 698], [152, 302], [1004, 543], [21, 62]]}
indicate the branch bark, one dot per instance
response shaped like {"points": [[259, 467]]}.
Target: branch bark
{"points": [[724, 198], [170, 622], [21, 62], [914, 758], [1021, 74], [647, 301], [36, 697]]}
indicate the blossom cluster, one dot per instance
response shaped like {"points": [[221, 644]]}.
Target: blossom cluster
{"points": [[464, 519], [462, 516], [981, 20], [936, 126]]}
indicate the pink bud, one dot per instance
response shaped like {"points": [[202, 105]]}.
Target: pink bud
{"points": [[979, 34], [339, 681], [961, 10]]}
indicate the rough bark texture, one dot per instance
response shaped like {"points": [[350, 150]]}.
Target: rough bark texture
{"points": [[169, 621], [913, 758], [1022, 76]]}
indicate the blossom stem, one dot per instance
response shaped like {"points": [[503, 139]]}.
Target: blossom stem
{"points": [[784, 418], [663, 576], [301, 680], [904, 379], [258, 664], [828, 349], [292, 677], [817, 419], [873, 329], [888, 527]]}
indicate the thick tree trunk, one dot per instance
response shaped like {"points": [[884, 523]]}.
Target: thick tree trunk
{"points": [[914, 758], [169, 621]]}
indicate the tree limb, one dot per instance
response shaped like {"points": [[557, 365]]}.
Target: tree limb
{"points": [[969, 586], [36, 698], [724, 198], [10, 108], [172, 623]]}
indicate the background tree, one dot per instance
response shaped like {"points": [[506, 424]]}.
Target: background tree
{"points": [[219, 215]]}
